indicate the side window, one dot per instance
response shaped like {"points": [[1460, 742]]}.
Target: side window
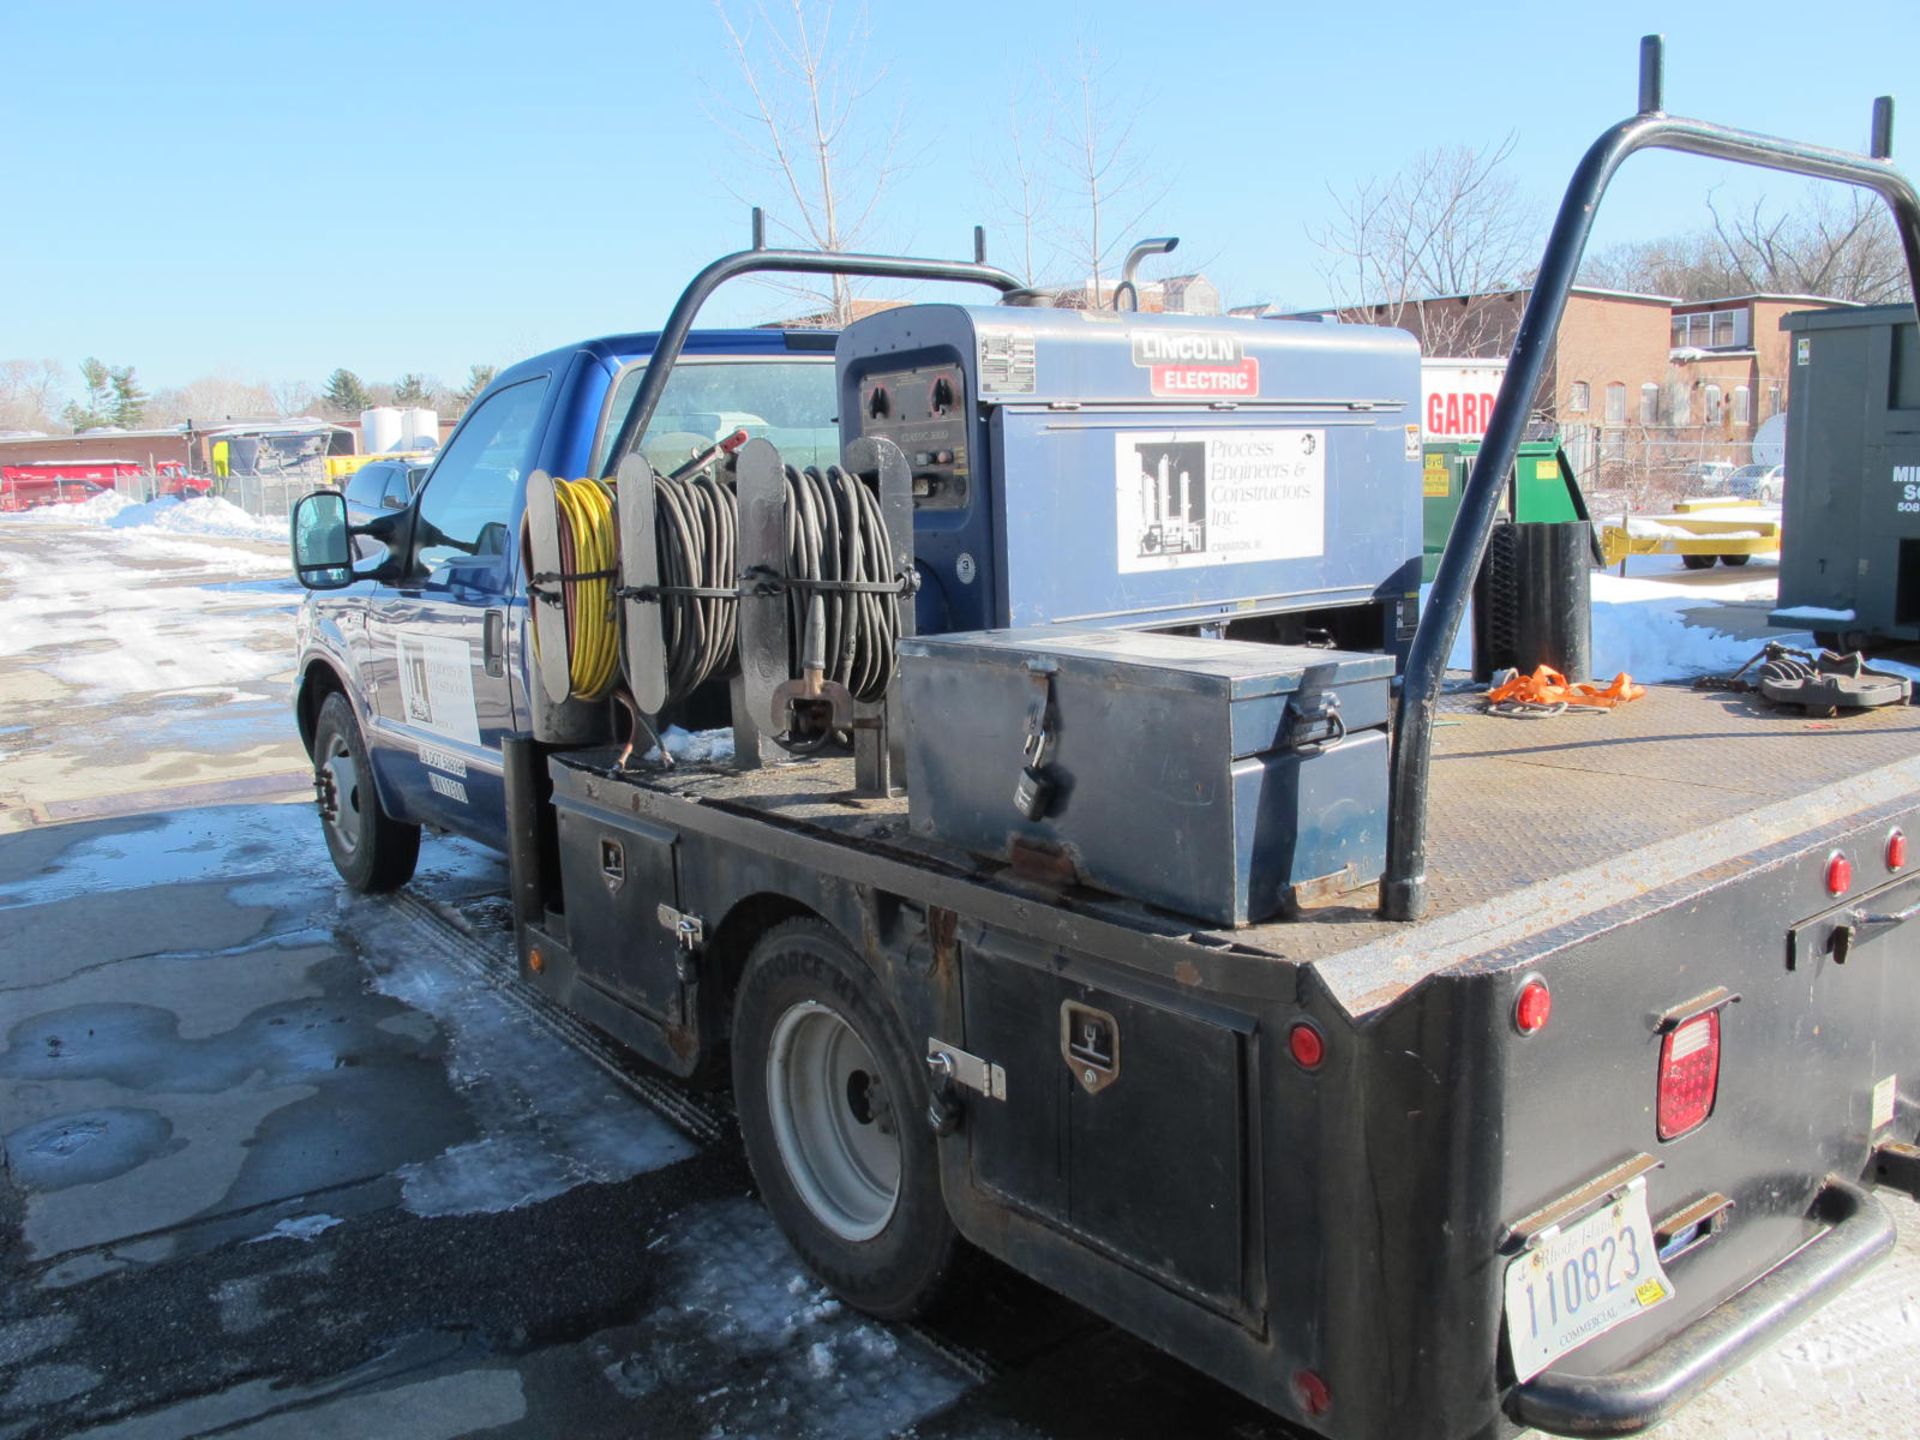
{"points": [[363, 488], [468, 499], [397, 491]]}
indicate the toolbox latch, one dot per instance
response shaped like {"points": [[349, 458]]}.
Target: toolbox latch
{"points": [[951, 1064], [687, 930]]}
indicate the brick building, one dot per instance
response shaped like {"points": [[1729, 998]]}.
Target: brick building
{"points": [[1638, 387]]}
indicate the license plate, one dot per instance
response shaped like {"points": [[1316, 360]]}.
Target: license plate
{"points": [[1581, 1281]]}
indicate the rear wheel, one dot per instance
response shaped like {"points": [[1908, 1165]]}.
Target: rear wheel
{"points": [[1698, 562], [371, 850], [833, 1113], [1735, 559]]}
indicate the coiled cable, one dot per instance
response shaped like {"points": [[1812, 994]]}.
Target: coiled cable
{"points": [[836, 536], [589, 546], [696, 531]]}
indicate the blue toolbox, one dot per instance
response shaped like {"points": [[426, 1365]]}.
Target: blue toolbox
{"points": [[1225, 780]]}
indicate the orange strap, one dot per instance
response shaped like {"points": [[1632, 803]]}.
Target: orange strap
{"points": [[1547, 686]]}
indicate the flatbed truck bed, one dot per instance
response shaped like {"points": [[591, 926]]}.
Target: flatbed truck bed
{"points": [[1533, 819], [1666, 859]]}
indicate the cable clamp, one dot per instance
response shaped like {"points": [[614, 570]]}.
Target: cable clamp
{"points": [[759, 581], [663, 592], [541, 583]]}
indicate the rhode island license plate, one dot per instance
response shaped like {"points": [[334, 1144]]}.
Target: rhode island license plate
{"points": [[1581, 1281]]}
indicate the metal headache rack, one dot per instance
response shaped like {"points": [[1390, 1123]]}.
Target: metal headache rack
{"points": [[1403, 890]]}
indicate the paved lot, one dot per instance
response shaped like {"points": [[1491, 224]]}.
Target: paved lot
{"points": [[282, 1162]]}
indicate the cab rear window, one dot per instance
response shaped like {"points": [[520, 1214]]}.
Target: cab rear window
{"points": [[789, 401]]}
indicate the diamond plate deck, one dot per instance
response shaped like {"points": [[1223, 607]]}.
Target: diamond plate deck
{"points": [[1667, 786]]}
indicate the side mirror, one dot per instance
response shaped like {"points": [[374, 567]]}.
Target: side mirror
{"points": [[322, 553]]}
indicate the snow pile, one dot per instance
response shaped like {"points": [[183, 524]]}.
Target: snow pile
{"points": [[208, 515], [1652, 641], [205, 515], [1660, 626], [100, 510]]}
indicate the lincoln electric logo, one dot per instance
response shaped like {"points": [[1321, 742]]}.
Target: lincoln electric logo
{"points": [[1188, 364]]}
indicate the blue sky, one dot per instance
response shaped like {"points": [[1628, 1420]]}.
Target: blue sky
{"points": [[268, 191]]}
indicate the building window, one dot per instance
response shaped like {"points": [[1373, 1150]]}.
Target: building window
{"points": [[1773, 401], [1682, 405], [1713, 330], [1713, 404], [1742, 405], [1649, 404], [1579, 398], [1616, 404]]}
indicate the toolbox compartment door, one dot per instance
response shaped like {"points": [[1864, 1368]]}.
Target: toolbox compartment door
{"points": [[1132, 1136], [617, 871]]}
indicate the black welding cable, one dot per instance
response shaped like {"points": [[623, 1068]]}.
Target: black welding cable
{"points": [[696, 532], [835, 532]]}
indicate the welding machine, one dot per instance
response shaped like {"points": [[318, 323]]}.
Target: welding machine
{"points": [[1100, 469]]}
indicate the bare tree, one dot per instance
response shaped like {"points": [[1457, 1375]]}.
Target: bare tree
{"points": [[212, 399], [30, 394], [1845, 248], [1108, 173], [293, 397], [1018, 190], [1414, 249], [807, 122]]}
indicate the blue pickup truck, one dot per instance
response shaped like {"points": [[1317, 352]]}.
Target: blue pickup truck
{"points": [[410, 678]]}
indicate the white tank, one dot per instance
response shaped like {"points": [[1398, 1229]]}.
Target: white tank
{"points": [[380, 430], [420, 429]]}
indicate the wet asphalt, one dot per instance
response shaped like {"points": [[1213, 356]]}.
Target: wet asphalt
{"points": [[284, 1162]]}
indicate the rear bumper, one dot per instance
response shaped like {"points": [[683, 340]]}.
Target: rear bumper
{"points": [[1860, 1232]]}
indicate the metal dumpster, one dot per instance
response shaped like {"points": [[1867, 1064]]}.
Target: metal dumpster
{"points": [[1850, 552]]}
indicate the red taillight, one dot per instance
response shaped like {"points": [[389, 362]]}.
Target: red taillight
{"points": [[1839, 874], [1689, 1074], [1312, 1393], [1533, 1007], [1896, 849], [1306, 1046]]}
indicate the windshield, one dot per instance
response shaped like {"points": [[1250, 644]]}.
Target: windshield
{"points": [[789, 401], [1749, 472]]}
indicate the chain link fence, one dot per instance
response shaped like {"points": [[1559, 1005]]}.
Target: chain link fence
{"points": [[269, 495], [1642, 468]]}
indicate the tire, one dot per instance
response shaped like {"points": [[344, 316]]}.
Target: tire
{"points": [[1735, 560], [372, 851], [843, 1154], [1698, 562]]}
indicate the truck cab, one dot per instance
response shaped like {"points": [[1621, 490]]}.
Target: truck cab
{"points": [[428, 645]]}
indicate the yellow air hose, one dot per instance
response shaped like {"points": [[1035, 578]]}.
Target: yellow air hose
{"points": [[589, 547]]}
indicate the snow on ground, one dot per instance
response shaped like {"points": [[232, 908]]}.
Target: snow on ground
{"points": [[207, 515], [1657, 624], [111, 612]]}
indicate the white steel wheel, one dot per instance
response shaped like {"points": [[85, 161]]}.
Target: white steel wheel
{"points": [[833, 1121]]}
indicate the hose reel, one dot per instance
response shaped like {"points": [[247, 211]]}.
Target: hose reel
{"points": [[785, 582]]}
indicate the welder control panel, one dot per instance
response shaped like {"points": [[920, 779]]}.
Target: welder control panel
{"points": [[923, 412]]}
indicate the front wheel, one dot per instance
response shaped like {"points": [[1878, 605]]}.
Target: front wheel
{"points": [[833, 1110], [1698, 562], [371, 850], [1735, 560]]}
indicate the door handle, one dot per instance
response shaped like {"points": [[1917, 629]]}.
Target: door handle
{"points": [[493, 644]]}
